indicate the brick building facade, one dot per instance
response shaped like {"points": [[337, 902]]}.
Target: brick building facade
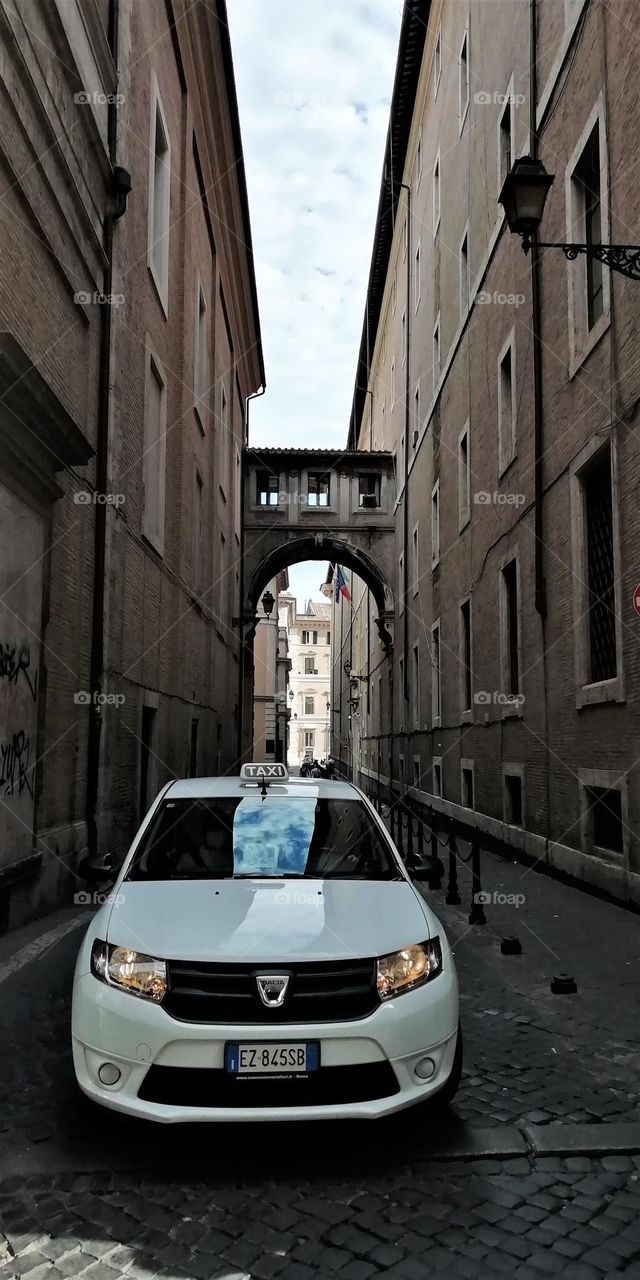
{"points": [[512, 698], [129, 346]]}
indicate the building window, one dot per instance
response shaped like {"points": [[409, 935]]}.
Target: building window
{"points": [[513, 809], [394, 295], [605, 811], [197, 531], [437, 777], [598, 510], [317, 489], [401, 583], [416, 686], [310, 668], [604, 819], [464, 479], [465, 654], [404, 336], [505, 137], [153, 462], [466, 784], [417, 277], [417, 772], [193, 748], [201, 356], [587, 210], [159, 197], [224, 413], [463, 79], [437, 63], [435, 524], [436, 195], [418, 163], [510, 626], [266, 489], [506, 405], [417, 417], [369, 490], [436, 354], [464, 275], [393, 383], [416, 562], [309, 637], [309, 704], [328, 637], [436, 692], [309, 739]]}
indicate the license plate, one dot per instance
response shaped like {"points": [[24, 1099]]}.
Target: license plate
{"points": [[264, 1059]]}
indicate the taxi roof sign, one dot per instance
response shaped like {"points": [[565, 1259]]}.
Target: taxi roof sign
{"points": [[264, 773]]}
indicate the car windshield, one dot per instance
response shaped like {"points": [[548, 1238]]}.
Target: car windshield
{"points": [[272, 837]]}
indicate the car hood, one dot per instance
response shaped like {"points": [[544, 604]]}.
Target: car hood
{"points": [[267, 921]]}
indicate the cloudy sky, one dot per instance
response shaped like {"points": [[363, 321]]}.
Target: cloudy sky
{"points": [[314, 88]]}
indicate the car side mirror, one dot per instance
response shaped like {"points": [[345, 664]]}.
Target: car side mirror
{"points": [[420, 872]]}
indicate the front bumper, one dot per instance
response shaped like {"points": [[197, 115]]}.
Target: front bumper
{"points": [[112, 1026]]}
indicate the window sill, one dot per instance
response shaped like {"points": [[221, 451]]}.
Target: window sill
{"points": [[200, 418], [161, 292], [612, 856], [503, 466], [589, 695], [583, 344]]}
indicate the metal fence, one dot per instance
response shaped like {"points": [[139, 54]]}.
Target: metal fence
{"points": [[429, 840]]}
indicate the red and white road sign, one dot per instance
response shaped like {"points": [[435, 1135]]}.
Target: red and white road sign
{"points": [[636, 599]]}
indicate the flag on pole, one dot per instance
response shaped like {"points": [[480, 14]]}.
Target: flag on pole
{"points": [[341, 585]]}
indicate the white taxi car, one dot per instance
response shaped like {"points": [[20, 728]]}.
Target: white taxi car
{"points": [[264, 955]]}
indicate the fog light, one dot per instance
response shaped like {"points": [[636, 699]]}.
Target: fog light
{"points": [[425, 1068], [109, 1073]]}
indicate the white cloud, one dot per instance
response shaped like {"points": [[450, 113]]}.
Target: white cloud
{"points": [[314, 88]]}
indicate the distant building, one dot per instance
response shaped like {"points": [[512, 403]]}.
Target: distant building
{"points": [[309, 636], [271, 679]]}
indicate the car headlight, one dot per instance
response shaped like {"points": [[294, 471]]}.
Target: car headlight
{"points": [[139, 974], [409, 968]]}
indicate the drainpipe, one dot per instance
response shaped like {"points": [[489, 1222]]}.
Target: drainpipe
{"points": [[540, 594], [243, 653], [407, 427], [121, 185], [536, 323]]}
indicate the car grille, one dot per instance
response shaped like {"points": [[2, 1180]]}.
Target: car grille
{"points": [[326, 991], [204, 1087]]}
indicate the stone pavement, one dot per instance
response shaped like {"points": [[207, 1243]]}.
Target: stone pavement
{"points": [[534, 1171]]}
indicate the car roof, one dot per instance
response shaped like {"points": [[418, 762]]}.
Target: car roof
{"points": [[315, 788]]}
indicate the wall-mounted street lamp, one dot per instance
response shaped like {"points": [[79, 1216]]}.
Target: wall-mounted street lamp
{"points": [[291, 695], [523, 198], [268, 601], [347, 667]]}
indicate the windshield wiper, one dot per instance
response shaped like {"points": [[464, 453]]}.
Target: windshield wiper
{"points": [[271, 875]]}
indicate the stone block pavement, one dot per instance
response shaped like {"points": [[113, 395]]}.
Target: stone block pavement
{"points": [[534, 1171]]}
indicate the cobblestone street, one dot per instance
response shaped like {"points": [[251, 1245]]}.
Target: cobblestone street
{"points": [[534, 1171]]}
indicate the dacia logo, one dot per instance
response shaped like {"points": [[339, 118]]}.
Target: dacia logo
{"points": [[272, 988]]}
